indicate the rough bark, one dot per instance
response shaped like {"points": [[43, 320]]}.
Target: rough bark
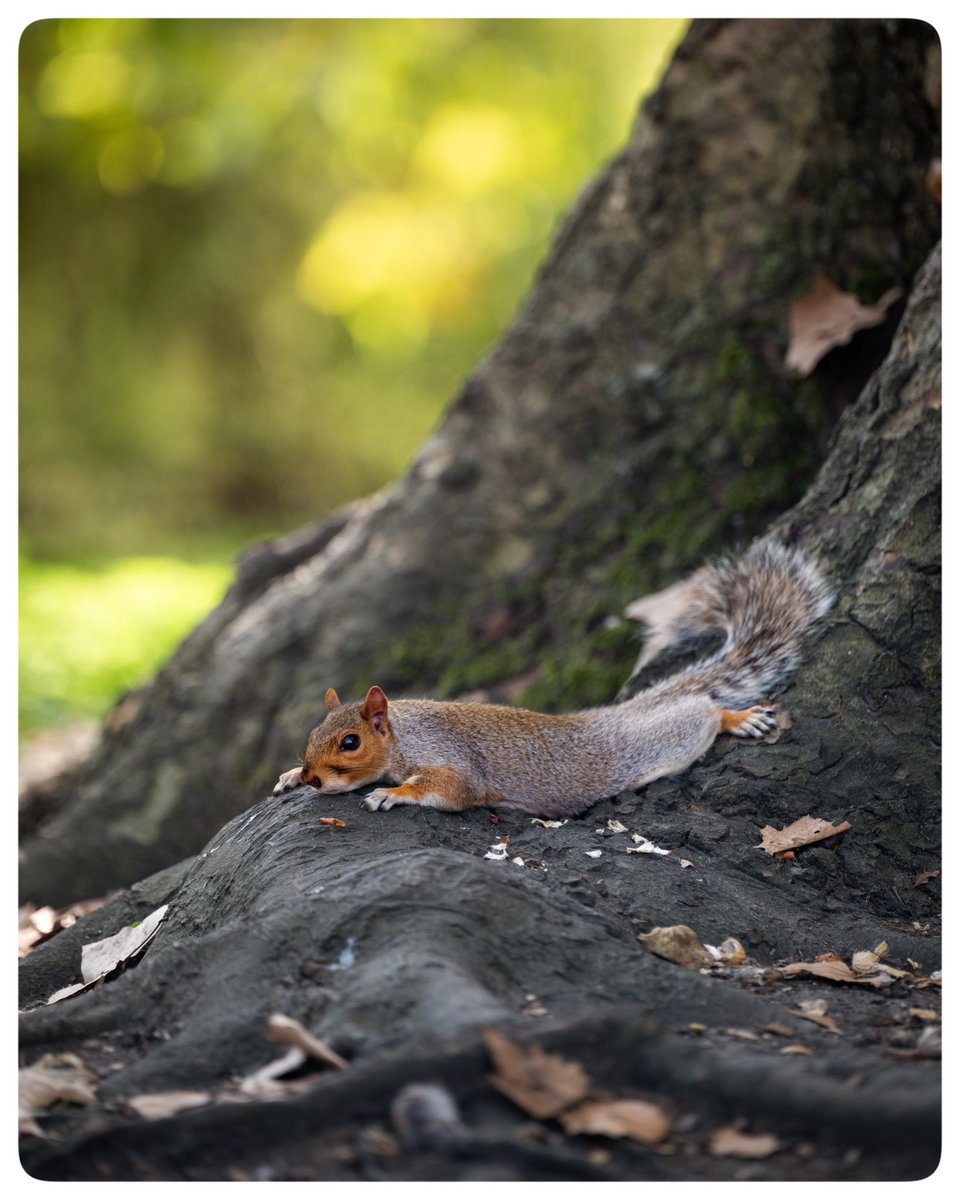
{"points": [[395, 941], [636, 416]]}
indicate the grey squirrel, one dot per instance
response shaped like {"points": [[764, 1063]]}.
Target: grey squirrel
{"points": [[451, 755]]}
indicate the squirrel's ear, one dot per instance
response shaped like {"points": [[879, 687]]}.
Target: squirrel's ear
{"points": [[374, 709], [333, 700]]}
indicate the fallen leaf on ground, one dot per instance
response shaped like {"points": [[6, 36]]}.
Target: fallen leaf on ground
{"points": [[924, 1014], [645, 846], [333, 821], [815, 1011], [925, 877], [153, 1106], [634, 1119], [804, 832], [546, 824], [37, 924], [542, 1084], [827, 317], [838, 972], [796, 1048], [288, 1032], [865, 962], [730, 1142], [778, 1029], [267, 1082], [616, 826], [40, 1087], [100, 958], [678, 944], [730, 952]]}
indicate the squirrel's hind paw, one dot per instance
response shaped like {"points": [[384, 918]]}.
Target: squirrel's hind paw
{"points": [[755, 722]]}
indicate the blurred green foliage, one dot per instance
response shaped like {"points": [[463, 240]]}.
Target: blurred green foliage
{"points": [[259, 256], [90, 634]]}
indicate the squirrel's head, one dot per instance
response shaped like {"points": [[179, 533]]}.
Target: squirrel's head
{"points": [[352, 746]]}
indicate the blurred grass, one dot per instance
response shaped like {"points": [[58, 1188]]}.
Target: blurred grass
{"points": [[88, 634], [257, 258]]}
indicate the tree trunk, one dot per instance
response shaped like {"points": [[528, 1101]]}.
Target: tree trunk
{"points": [[397, 943], [637, 415]]}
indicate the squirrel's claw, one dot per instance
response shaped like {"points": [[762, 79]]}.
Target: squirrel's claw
{"points": [[754, 722], [380, 799]]}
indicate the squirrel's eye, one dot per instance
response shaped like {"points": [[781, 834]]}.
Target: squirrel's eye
{"points": [[350, 742]]}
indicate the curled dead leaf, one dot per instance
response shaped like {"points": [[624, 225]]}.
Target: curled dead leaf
{"points": [[838, 972], [678, 944], [288, 1032], [542, 1084], [634, 1119], [335, 821], [803, 832], [828, 317], [815, 1011]]}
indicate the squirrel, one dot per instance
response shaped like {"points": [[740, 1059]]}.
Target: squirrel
{"points": [[453, 756]]}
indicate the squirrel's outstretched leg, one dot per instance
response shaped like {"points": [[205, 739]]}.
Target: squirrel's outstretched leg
{"points": [[433, 787]]}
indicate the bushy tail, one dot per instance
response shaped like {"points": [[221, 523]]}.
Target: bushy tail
{"points": [[765, 601]]}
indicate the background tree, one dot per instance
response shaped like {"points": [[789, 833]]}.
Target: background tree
{"points": [[637, 416]]}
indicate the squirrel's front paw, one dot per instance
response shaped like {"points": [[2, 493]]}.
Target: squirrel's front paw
{"points": [[380, 799], [287, 781]]}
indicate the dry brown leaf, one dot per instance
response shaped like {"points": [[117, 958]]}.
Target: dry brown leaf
{"points": [[804, 832], [153, 1106], [634, 1119], [815, 1011], [732, 952], [796, 1048], [267, 1083], [838, 972], [827, 317], [42, 1086], [730, 1142], [288, 1032], [333, 821], [925, 877], [542, 1084], [778, 1029], [678, 944]]}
